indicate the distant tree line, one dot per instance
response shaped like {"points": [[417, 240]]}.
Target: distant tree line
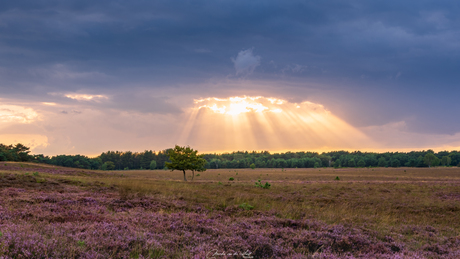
{"points": [[335, 159], [18, 153], [116, 160]]}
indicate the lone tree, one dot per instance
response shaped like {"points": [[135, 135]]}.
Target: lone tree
{"points": [[429, 159], [185, 158]]}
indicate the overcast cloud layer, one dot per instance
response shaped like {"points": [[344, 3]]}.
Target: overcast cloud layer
{"points": [[123, 74]]}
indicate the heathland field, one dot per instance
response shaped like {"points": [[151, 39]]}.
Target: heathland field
{"points": [[55, 212]]}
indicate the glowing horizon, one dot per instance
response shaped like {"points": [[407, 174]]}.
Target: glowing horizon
{"points": [[260, 123], [210, 125]]}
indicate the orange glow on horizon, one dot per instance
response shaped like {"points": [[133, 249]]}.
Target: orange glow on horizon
{"points": [[259, 123]]}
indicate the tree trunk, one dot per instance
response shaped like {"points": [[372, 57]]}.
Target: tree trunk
{"points": [[185, 179]]}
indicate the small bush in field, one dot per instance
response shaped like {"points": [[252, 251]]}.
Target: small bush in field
{"points": [[252, 166], [337, 178], [246, 206], [35, 174], [264, 186], [80, 243], [197, 174], [220, 183], [231, 179]]}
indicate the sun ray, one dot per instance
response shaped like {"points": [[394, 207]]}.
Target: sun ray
{"points": [[259, 123]]}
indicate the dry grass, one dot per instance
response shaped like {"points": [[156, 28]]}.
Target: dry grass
{"points": [[307, 174], [379, 199]]}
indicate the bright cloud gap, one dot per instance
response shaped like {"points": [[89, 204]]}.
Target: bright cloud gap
{"points": [[86, 97], [261, 123], [237, 105]]}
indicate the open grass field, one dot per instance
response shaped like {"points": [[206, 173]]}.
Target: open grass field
{"points": [[53, 212]]}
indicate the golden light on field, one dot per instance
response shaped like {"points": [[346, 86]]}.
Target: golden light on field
{"points": [[259, 123]]}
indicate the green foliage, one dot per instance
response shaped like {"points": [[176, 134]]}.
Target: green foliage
{"points": [[231, 179], [395, 163], [240, 159], [126, 168], [81, 243], [156, 253], [429, 159], [337, 178], [446, 160], [185, 158], [246, 206], [153, 165], [109, 165], [253, 166], [197, 174], [264, 186], [351, 163], [382, 162], [35, 173], [17, 153], [219, 183]]}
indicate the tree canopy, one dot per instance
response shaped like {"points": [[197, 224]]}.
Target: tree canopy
{"points": [[240, 159], [185, 158]]}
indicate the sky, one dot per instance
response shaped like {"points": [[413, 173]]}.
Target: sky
{"points": [[84, 77]]}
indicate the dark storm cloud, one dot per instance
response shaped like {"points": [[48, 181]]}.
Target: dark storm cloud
{"points": [[379, 61]]}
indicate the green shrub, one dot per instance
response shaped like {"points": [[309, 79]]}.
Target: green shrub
{"points": [[264, 186], [231, 179], [337, 178], [246, 206]]}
